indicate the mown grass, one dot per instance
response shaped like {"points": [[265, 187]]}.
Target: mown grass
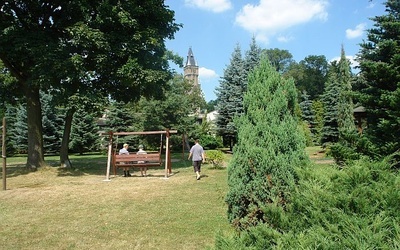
{"points": [[56, 208]]}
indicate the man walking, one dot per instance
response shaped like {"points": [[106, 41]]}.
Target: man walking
{"points": [[197, 154]]}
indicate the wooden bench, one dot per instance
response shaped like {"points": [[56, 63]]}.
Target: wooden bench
{"points": [[136, 160]]}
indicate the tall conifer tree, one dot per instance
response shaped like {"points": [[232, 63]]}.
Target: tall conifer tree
{"points": [[338, 104], [230, 96], [379, 59], [270, 146], [330, 131]]}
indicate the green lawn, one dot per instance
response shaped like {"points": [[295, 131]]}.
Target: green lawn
{"points": [[55, 208]]}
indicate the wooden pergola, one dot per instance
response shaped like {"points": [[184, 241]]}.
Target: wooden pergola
{"points": [[167, 151]]}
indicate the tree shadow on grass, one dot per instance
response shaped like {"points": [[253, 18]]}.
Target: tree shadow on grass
{"points": [[89, 164]]}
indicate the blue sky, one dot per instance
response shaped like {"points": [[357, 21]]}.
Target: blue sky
{"points": [[212, 28]]}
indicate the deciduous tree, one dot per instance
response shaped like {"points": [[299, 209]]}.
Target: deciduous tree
{"points": [[113, 47]]}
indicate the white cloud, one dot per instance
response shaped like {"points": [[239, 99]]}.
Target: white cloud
{"points": [[271, 16], [352, 59], [284, 39], [205, 73], [210, 5], [357, 32]]}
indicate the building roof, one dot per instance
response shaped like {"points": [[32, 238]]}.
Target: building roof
{"points": [[359, 109], [190, 58]]}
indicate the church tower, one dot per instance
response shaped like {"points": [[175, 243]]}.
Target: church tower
{"points": [[191, 69]]}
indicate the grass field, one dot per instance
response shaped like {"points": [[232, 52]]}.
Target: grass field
{"points": [[57, 208]]}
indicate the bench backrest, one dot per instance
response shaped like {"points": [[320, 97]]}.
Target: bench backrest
{"points": [[137, 157]]}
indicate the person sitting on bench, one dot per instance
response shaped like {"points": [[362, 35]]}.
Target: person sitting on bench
{"points": [[124, 151], [142, 169]]}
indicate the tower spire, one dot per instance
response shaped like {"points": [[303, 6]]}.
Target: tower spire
{"points": [[190, 61], [191, 70]]}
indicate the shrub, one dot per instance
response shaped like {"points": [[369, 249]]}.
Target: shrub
{"points": [[216, 157], [210, 142]]}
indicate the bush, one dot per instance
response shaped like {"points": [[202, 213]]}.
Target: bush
{"points": [[210, 142], [351, 208], [216, 158]]}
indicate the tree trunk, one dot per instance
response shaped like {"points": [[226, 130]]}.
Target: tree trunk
{"points": [[35, 130], [64, 158]]}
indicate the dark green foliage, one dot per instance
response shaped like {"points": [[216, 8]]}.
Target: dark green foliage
{"points": [[318, 110], [379, 59], [52, 125], [345, 148], [84, 134], [17, 128], [337, 101], [119, 117], [106, 48], [211, 105], [307, 115], [281, 60], [330, 131], [270, 145], [353, 208], [312, 75], [230, 96], [252, 57], [176, 110], [210, 141]]}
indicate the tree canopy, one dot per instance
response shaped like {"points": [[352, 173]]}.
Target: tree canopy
{"points": [[379, 59], [114, 48]]}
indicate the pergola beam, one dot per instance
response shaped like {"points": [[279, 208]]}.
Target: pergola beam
{"points": [[142, 133]]}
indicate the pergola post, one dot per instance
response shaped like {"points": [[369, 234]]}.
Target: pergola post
{"points": [[3, 154], [110, 142], [167, 156]]}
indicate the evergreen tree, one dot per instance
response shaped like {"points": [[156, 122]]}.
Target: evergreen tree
{"points": [[270, 145], [330, 132], [345, 102], [119, 117], [338, 104], [379, 60], [19, 129], [252, 57], [84, 133], [318, 110], [343, 150], [306, 110], [52, 125], [230, 97], [307, 115]]}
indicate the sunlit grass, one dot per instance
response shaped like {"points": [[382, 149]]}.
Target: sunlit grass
{"points": [[56, 208]]}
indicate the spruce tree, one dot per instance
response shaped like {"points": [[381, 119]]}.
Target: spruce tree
{"points": [[343, 150], [261, 174], [345, 104], [307, 115], [52, 124], [84, 133], [338, 104], [379, 60], [230, 97], [252, 57], [19, 129], [330, 98], [318, 110]]}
